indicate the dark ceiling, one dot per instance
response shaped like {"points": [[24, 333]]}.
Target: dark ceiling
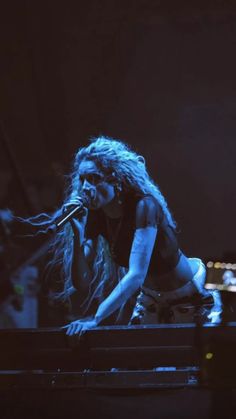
{"points": [[158, 74]]}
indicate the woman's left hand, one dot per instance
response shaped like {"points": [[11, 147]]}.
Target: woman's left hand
{"points": [[78, 327]]}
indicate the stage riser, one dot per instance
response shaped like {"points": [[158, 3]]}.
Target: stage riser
{"points": [[181, 403], [174, 378], [211, 349]]}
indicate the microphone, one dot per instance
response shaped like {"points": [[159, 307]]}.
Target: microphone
{"points": [[65, 217]]}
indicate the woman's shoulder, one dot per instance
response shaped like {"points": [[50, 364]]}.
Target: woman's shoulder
{"points": [[148, 202], [148, 211]]}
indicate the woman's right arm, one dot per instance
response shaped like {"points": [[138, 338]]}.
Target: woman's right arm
{"points": [[81, 272], [83, 252]]}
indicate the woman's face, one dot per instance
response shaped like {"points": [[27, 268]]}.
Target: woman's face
{"points": [[94, 185]]}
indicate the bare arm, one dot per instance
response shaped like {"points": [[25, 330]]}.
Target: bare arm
{"points": [[142, 247], [141, 251], [81, 271], [83, 252], [143, 242]]}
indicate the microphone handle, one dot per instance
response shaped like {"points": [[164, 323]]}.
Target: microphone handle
{"points": [[63, 219], [68, 215]]}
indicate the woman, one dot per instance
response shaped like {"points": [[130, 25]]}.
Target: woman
{"points": [[128, 220]]}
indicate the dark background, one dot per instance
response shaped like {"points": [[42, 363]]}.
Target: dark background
{"points": [[159, 75]]}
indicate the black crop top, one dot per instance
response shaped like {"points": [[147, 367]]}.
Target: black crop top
{"points": [[139, 212]]}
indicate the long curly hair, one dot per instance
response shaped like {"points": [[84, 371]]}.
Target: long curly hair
{"points": [[116, 159]]}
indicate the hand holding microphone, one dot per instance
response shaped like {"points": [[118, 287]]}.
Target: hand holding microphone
{"points": [[75, 211]]}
